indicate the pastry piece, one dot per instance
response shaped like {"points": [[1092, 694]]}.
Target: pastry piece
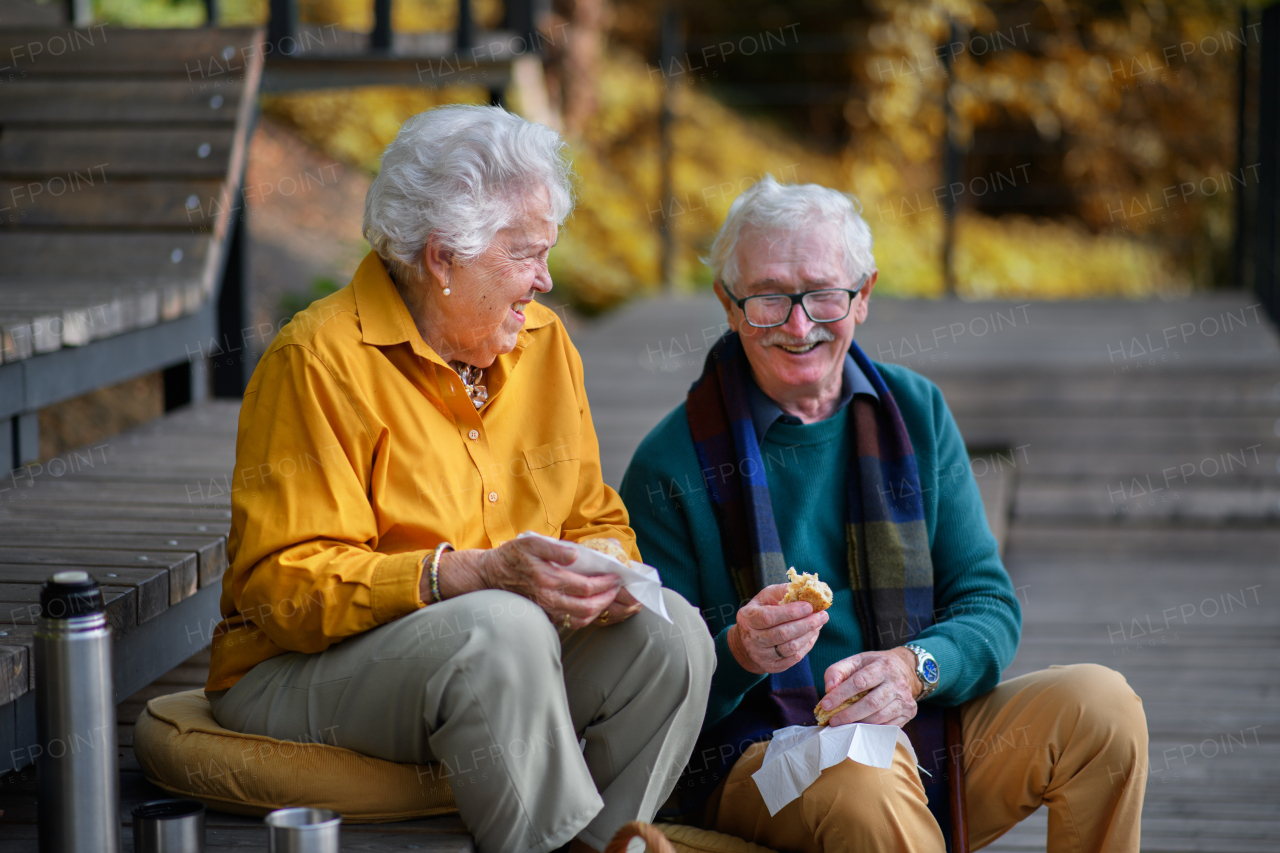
{"points": [[607, 546], [807, 587], [824, 717]]}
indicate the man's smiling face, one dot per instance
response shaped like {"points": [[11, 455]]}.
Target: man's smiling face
{"points": [[799, 354]]}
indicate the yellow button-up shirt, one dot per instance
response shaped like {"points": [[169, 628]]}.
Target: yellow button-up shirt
{"points": [[359, 451]]}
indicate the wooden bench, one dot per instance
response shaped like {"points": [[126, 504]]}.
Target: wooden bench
{"points": [[121, 240]]}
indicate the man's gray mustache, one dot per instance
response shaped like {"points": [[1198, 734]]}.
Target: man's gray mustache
{"points": [[816, 335]]}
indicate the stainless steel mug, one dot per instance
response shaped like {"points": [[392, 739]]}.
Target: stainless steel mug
{"points": [[77, 780], [302, 831], [168, 826]]}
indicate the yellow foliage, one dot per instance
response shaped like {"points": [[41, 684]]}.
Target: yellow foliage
{"points": [[1015, 257], [355, 125], [407, 16], [611, 248]]}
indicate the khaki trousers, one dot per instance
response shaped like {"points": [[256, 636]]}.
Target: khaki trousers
{"points": [[1073, 738], [543, 735]]}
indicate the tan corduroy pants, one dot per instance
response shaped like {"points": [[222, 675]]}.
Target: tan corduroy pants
{"points": [[1073, 738], [543, 734]]}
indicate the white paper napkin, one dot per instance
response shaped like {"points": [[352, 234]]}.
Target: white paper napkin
{"points": [[642, 581], [798, 754]]}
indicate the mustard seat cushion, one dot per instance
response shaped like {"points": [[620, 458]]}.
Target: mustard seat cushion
{"points": [[688, 839], [183, 750]]}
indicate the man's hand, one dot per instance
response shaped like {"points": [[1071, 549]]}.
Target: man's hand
{"points": [[773, 637], [889, 676]]}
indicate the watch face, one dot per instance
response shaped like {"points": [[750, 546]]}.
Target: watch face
{"points": [[930, 669]]}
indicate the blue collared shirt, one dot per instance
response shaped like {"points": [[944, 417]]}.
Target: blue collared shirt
{"points": [[765, 412]]}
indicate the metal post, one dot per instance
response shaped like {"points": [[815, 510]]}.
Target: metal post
{"points": [[26, 438], [671, 46], [232, 369], [282, 28], [1267, 216], [380, 38], [1240, 251], [952, 166], [19, 440], [80, 12], [518, 17], [211, 13], [466, 37]]}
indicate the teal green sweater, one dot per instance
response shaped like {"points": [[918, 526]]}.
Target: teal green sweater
{"points": [[978, 617]]}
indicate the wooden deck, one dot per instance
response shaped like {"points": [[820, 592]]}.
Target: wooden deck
{"points": [[1121, 553]]}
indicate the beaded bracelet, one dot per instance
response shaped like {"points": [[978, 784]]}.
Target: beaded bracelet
{"points": [[435, 570]]}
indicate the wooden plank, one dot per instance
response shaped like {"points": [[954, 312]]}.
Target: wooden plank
{"points": [[97, 102], [125, 527], [179, 204], [20, 606], [192, 55], [158, 512], [152, 583], [50, 154], [101, 257], [1221, 502], [210, 552], [180, 566]]}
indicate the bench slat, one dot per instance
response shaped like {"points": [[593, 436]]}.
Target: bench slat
{"points": [[123, 152], [210, 552], [82, 102], [20, 606], [181, 204], [183, 53]]}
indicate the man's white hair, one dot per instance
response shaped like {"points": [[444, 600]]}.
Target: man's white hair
{"points": [[771, 206], [460, 172]]}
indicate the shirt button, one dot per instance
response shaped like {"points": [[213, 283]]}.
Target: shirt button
{"points": [[474, 434], [493, 497]]}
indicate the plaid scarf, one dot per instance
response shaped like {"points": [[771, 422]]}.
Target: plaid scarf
{"points": [[889, 565]]}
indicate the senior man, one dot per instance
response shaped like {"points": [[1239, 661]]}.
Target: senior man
{"points": [[794, 449]]}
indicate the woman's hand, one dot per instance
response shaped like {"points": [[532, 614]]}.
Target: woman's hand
{"points": [[534, 568], [622, 608], [773, 637], [890, 677]]}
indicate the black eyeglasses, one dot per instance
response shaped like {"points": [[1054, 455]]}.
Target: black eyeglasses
{"points": [[774, 309]]}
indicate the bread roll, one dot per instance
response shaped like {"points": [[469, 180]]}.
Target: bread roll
{"points": [[807, 587], [608, 546], [824, 717]]}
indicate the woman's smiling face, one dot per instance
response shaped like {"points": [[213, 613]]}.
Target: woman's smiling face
{"points": [[483, 314]]}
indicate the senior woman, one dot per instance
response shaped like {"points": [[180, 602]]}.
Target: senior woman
{"points": [[394, 440]]}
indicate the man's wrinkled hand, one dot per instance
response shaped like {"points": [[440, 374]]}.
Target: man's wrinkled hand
{"points": [[773, 637], [889, 676]]}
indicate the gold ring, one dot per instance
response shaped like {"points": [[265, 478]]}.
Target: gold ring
{"points": [[604, 617], [566, 620]]}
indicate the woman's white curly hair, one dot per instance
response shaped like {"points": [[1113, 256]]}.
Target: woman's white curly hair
{"points": [[460, 172]]}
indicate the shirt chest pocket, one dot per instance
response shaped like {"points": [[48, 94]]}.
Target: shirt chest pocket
{"points": [[554, 468]]}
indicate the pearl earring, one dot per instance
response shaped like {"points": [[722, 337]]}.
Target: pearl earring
{"points": [[447, 289]]}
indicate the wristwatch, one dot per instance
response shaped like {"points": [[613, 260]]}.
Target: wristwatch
{"points": [[926, 669]]}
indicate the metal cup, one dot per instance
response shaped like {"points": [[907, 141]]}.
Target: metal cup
{"points": [[303, 831], [168, 826]]}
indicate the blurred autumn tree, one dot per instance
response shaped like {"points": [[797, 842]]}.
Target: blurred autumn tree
{"points": [[1094, 143]]}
